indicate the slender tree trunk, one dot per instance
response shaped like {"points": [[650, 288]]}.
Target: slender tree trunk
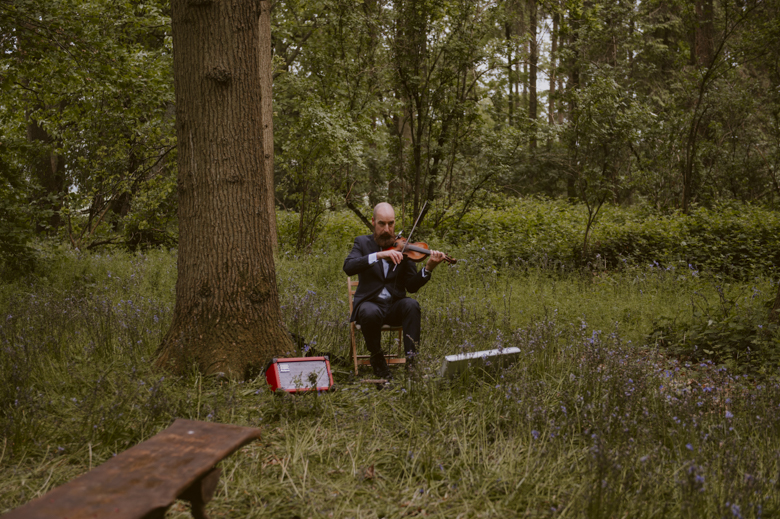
{"points": [[399, 129], [227, 317], [553, 69], [688, 171], [410, 46], [573, 85], [48, 173], [561, 75], [514, 26], [43, 161], [702, 55], [525, 77], [418, 134], [266, 112], [510, 73], [533, 58], [702, 33], [377, 175]]}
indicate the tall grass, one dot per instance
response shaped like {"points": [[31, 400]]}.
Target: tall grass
{"points": [[592, 421]]}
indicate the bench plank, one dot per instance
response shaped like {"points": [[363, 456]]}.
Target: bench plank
{"points": [[146, 479]]}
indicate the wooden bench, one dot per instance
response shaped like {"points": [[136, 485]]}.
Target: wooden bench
{"points": [[145, 480]]}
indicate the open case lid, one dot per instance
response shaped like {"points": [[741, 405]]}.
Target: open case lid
{"points": [[297, 374]]}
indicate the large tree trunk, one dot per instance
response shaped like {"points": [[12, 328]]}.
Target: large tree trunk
{"points": [[227, 317]]}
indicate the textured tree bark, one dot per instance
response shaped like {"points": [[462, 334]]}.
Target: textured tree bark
{"points": [[227, 317]]}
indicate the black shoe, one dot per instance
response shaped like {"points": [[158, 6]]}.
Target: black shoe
{"points": [[384, 373]]}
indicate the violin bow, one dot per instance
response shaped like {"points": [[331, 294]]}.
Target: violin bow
{"points": [[408, 239]]}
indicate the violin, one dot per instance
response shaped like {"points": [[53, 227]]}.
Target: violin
{"points": [[416, 251]]}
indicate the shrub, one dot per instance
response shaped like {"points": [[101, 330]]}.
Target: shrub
{"points": [[338, 227], [16, 255], [734, 240], [732, 331]]}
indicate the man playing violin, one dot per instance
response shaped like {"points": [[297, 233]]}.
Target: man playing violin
{"points": [[385, 276]]}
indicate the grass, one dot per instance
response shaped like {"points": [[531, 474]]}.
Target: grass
{"points": [[591, 422]]}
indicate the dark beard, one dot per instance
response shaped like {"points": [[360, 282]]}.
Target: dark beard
{"points": [[385, 240]]}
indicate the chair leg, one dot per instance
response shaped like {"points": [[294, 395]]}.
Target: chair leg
{"points": [[401, 343], [353, 347]]}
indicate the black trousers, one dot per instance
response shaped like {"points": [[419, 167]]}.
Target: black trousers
{"points": [[371, 315]]}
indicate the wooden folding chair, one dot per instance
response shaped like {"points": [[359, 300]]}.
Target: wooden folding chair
{"points": [[363, 360]]}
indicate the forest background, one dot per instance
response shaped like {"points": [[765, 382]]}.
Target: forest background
{"points": [[605, 171], [667, 106]]}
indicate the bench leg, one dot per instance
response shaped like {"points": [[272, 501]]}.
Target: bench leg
{"points": [[201, 492], [198, 511]]}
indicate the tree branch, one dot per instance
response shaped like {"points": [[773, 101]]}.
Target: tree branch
{"points": [[363, 219]]}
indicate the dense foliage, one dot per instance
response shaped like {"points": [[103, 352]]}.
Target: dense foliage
{"points": [[87, 114], [460, 103], [730, 241]]}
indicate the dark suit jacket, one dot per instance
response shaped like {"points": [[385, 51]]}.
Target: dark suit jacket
{"points": [[372, 277]]}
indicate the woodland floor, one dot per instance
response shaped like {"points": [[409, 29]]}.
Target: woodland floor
{"points": [[593, 421]]}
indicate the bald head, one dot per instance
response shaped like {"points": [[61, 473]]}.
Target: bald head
{"points": [[384, 224], [384, 210]]}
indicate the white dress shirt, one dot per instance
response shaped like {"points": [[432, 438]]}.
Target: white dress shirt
{"points": [[385, 294]]}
